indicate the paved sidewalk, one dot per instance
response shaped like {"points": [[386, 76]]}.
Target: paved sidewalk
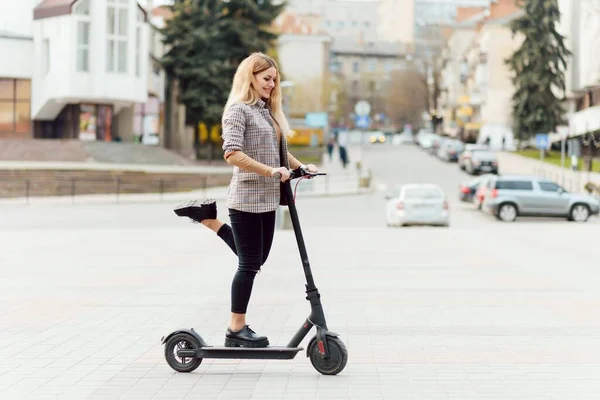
{"points": [[573, 181]]}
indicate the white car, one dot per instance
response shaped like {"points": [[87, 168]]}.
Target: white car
{"points": [[418, 204]]}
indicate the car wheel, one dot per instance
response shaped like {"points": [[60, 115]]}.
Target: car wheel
{"points": [[579, 213], [507, 212]]}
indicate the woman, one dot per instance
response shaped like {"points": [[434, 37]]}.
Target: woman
{"points": [[254, 142]]}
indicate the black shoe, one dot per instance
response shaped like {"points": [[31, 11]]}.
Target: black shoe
{"points": [[245, 337], [198, 211]]}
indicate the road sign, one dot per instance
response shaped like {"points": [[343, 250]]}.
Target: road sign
{"points": [[541, 141], [363, 121], [362, 108]]}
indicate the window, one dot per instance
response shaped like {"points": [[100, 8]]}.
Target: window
{"points": [[82, 59], [116, 27], [549, 187], [514, 185], [138, 42], [372, 87], [15, 99], [372, 65], [83, 46], [355, 66]]}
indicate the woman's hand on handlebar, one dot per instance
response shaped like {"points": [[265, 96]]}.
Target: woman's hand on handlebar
{"points": [[312, 168], [281, 173]]}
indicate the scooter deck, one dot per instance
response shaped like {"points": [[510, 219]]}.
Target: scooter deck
{"points": [[262, 353]]}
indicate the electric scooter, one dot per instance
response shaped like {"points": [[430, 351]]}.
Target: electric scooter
{"points": [[185, 349]]}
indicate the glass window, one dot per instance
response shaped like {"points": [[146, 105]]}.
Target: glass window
{"points": [[355, 66], [23, 89], [15, 114], [110, 21], [117, 29], [514, 185], [82, 7], [549, 187], [122, 56], [22, 117], [123, 22], [110, 55], [7, 116], [83, 45], [138, 44], [7, 89], [423, 193]]}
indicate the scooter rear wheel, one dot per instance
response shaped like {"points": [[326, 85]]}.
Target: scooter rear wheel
{"points": [[338, 356], [178, 342]]}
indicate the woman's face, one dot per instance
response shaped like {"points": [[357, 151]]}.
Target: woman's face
{"points": [[264, 82]]}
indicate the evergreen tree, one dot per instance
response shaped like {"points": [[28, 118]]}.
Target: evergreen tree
{"points": [[206, 41], [538, 68]]}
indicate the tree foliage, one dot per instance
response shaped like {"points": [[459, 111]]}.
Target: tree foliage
{"points": [[206, 40], [538, 67]]}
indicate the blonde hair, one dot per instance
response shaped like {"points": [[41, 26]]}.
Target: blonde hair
{"points": [[242, 90]]}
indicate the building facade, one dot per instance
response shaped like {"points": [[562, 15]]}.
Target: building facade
{"points": [[77, 70], [342, 19], [396, 21], [580, 24], [477, 85], [303, 51], [363, 72]]}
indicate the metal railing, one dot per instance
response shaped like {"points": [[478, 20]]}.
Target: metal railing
{"points": [[121, 189]]}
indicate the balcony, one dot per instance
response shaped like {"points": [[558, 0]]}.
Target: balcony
{"points": [[90, 52]]}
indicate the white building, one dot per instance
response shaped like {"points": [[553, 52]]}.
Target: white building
{"points": [[355, 20], [76, 68], [580, 24]]}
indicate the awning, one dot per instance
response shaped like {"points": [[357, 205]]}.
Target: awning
{"points": [[585, 121]]}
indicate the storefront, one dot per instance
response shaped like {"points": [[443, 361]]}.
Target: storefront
{"points": [[15, 108], [147, 121], [86, 121]]}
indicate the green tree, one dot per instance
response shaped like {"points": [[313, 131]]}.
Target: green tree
{"points": [[538, 67], [206, 41]]}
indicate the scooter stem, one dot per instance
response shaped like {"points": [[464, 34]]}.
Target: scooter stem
{"points": [[310, 283]]}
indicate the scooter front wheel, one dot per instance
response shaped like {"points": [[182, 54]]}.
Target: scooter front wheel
{"points": [[182, 341], [338, 356]]}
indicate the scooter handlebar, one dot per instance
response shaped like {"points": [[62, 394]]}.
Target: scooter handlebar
{"points": [[298, 173]]}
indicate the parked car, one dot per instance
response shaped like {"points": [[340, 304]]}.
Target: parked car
{"points": [[402, 138], [513, 196], [482, 161], [436, 140], [450, 149], [469, 189], [425, 140], [377, 137], [468, 152], [417, 204]]}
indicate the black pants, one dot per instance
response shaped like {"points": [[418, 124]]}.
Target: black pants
{"points": [[250, 236]]}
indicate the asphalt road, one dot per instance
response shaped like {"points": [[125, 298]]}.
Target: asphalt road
{"points": [[478, 310]]}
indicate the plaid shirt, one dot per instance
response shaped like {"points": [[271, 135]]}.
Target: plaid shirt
{"points": [[250, 129]]}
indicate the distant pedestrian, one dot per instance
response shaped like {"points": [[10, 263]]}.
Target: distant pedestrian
{"points": [[330, 146], [342, 142]]}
